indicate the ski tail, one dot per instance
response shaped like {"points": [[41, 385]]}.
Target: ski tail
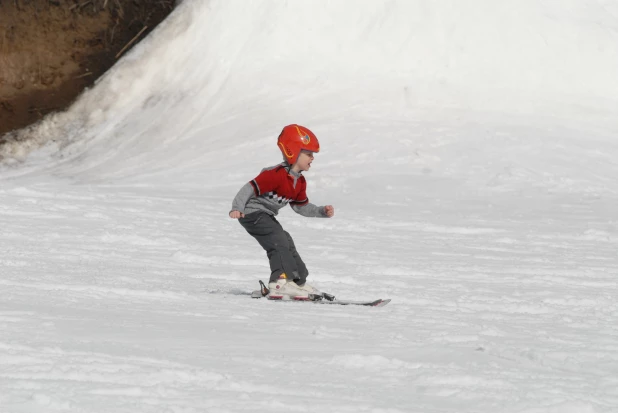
{"points": [[262, 292]]}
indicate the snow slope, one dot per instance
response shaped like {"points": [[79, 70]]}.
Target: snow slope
{"points": [[470, 152]]}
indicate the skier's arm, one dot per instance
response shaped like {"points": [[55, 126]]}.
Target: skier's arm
{"points": [[310, 210], [302, 206], [241, 198]]}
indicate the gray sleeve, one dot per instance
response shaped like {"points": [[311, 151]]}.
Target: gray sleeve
{"points": [[242, 197], [310, 210]]}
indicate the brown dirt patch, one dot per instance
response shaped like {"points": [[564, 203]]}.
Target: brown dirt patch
{"points": [[51, 50]]}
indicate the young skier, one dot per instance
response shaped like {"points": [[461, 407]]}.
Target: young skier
{"points": [[259, 201]]}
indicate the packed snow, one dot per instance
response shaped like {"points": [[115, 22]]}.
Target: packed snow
{"points": [[469, 148]]}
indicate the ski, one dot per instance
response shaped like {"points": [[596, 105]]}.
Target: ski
{"points": [[323, 298], [375, 303]]}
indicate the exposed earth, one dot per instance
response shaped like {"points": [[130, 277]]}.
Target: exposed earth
{"points": [[51, 50]]}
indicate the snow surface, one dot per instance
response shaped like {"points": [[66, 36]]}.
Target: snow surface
{"points": [[470, 150]]}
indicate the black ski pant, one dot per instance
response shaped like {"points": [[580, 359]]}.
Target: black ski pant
{"points": [[278, 244]]}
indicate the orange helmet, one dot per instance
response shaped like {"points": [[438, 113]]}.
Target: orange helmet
{"points": [[295, 138]]}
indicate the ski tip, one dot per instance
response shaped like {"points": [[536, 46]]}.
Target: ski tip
{"points": [[381, 303]]}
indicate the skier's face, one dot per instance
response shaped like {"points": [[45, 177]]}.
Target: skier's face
{"points": [[304, 160]]}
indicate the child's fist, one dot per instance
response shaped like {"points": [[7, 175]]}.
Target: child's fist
{"points": [[329, 210], [236, 214]]}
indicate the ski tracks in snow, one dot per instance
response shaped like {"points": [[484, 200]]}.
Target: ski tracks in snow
{"points": [[124, 298]]}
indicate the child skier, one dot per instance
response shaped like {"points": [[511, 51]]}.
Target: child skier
{"points": [[259, 201]]}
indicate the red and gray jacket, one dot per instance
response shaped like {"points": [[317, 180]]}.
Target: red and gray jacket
{"points": [[274, 188]]}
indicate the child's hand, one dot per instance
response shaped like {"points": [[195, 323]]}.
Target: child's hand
{"points": [[329, 210], [236, 214]]}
